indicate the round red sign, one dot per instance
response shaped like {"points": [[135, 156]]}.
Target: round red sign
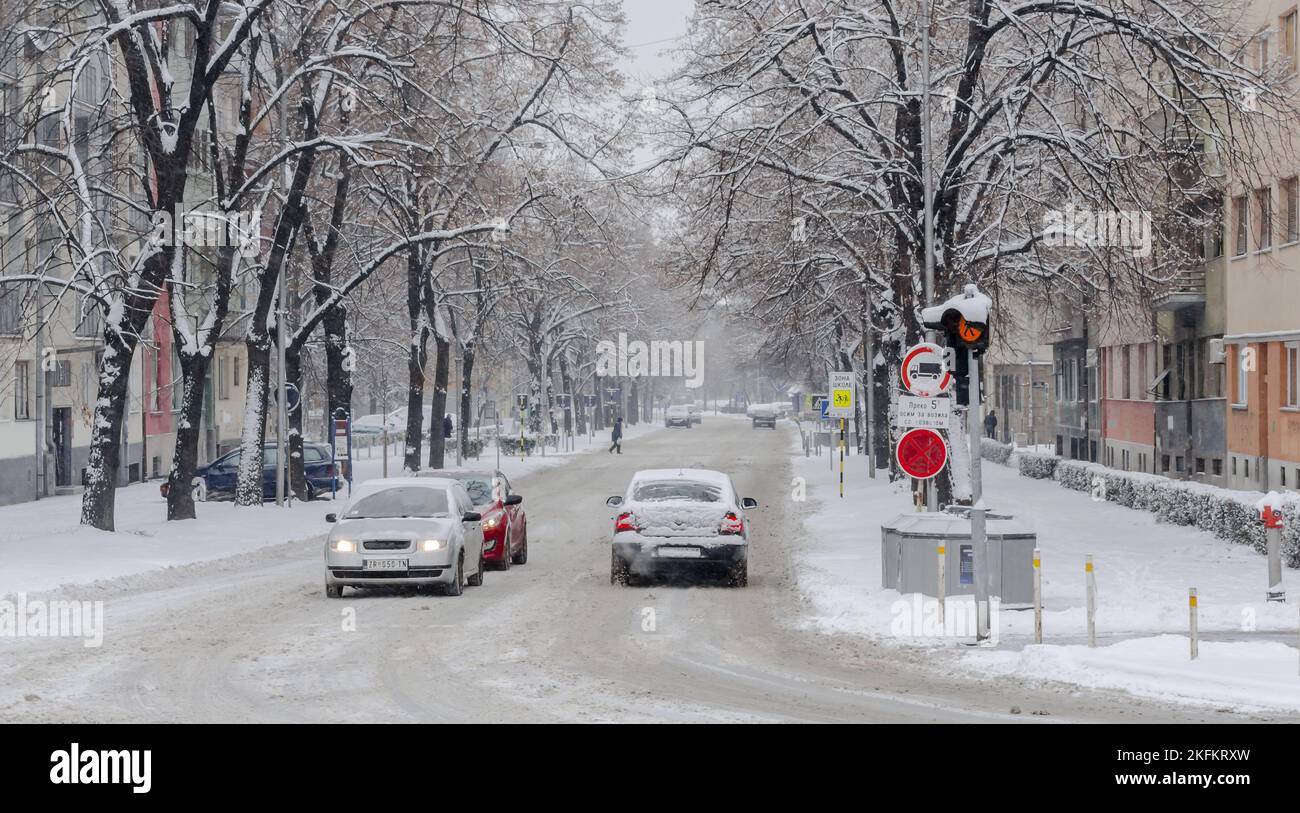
{"points": [[922, 453]]}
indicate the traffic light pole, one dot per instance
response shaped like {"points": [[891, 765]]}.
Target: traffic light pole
{"points": [[978, 534], [931, 493]]}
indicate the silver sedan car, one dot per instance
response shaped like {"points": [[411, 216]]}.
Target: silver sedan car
{"points": [[405, 531]]}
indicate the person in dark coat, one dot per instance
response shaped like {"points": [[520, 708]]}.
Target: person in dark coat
{"points": [[447, 427], [617, 436], [991, 424]]}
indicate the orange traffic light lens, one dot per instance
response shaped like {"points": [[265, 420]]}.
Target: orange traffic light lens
{"points": [[967, 331]]}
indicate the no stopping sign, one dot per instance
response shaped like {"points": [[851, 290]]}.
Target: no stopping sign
{"points": [[921, 453]]}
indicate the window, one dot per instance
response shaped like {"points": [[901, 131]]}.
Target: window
{"points": [[1164, 462], [1241, 219], [1200, 465], [11, 309], [1178, 463], [1264, 213], [1234, 467], [1287, 28], [61, 375], [239, 363], [1282, 471], [1243, 378], [223, 379], [1292, 350], [1291, 197], [22, 390], [1126, 384], [88, 326], [1247, 462], [1262, 54], [1217, 463], [177, 380]]}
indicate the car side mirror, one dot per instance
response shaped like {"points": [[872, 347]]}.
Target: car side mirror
{"points": [[614, 501], [514, 499], [331, 517], [749, 502], [471, 516]]}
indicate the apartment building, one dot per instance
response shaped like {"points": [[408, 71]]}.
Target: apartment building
{"points": [[1261, 323], [1018, 377]]}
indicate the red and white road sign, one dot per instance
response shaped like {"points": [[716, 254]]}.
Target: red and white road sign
{"points": [[924, 371], [921, 453]]}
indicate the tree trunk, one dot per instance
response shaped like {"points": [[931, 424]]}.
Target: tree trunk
{"points": [[466, 394], [248, 485], [185, 460], [438, 408], [297, 465], [97, 502], [415, 400]]}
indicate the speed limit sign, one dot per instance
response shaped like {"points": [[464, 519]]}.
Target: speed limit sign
{"points": [[841, 395]]}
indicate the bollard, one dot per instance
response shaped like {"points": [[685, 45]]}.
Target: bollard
{"points": [[1191, 619], [1275, 589], [385, 435], [1092, 601], [1038, 596], [943, 552]]}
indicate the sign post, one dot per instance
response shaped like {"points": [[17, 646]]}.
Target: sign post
{"points": [[978, 536], [341, 450], [522, 401], [921, 453], [1273, 533], [841, 406]]}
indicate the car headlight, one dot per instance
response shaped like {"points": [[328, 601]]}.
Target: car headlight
{"points": [[491, 522], [429, 545], [344, 546]]}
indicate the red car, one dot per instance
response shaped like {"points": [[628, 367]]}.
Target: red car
{"points": [[505, 525]]}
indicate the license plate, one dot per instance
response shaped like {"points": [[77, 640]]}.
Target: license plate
{"points": [[384, 564], [679, 553]]}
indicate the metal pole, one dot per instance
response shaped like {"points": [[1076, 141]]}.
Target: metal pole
{"points": [[1091, 576], [931, 493], [841, 458], [281, 452], [1191, 622], [978, 537], [943, 581], [1038, 596], [1275, 589], [869, 352], [42, 486]]}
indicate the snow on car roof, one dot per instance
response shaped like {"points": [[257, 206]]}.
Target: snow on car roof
{"points": [[699, 475], [394, 482]]}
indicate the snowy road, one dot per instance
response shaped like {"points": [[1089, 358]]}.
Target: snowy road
{"points": [[254, 639]]}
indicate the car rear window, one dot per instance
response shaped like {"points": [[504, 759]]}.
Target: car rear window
{"points": [[406, 501], [657, 490], [479, 488]]}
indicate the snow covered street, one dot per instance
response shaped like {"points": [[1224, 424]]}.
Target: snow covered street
{"points": [[251, 637]]}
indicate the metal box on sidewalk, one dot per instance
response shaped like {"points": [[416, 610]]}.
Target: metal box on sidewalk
{"points": [[910, 564]]}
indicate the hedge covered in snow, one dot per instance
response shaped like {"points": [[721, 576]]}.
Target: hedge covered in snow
{"points": [[1229, 515], [1037, 465], [996, 451]]}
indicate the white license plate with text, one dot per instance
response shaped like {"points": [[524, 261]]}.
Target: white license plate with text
{"points": [[385, 564]]}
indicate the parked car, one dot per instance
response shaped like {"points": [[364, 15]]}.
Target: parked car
{"points": [[405, 531], [216, 481], [697, 413], [680, 520], [505, 524], [678, 415], [764, 415], [370, 425]]}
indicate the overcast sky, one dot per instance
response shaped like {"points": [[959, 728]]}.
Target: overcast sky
{"points": [[652, 25]]}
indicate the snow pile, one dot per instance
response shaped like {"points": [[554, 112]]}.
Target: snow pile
{"points": [[1243, 676]]}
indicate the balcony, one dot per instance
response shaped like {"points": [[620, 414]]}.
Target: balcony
{"points": [[1186, 290]]}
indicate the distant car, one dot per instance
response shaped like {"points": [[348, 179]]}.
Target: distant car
{"points": [[405, 531], [764, 415], [697, 413], [680, 520], [370, 425], [217, 480], [505, 525], [678, 415]]}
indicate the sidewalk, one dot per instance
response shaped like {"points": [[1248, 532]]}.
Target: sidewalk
{"points": [[1143, 570], [43, 546]]}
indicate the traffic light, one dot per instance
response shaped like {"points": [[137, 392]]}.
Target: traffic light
{"points": [[964, 320]]}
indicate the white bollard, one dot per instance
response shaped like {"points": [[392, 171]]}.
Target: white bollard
{"points": [[1038, 596], [1092, 600], [943, 554], [1191, 619]]}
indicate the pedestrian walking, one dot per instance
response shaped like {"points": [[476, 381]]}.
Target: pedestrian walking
{"points": [[617, 437]]}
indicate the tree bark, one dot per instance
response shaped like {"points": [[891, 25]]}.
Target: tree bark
{"points": [[438, 406], [248, 485], [466, 394], [180, 493]]}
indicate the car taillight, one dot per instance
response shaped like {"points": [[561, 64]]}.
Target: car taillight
{"points": [[626, 522], [731, 524]]}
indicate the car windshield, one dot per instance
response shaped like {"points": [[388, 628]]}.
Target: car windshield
{"points": [[479, 487], [408, 501], [658, 490]]}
